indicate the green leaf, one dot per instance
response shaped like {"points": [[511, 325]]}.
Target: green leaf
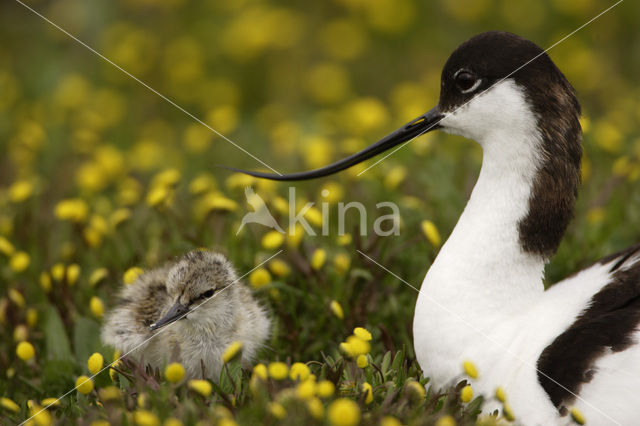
{"points": [[386, 362], [86, 339], [56, 340], [58, 376]]}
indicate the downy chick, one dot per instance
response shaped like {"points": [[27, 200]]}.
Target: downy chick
{"points": [[188, 312]]}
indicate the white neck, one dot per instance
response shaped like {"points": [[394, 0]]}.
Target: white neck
{"points": [[482, 267], [482, 278]]}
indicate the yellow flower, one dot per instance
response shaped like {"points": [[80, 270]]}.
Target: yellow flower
{"points": [[259, 278], [317, 151], [260, 370], [158, 196], [225, 422], [272, 240], [327, 83], [336, 309], [32, 317], [577, 416], [362, 333], [344, 412], [97, 275], [40, 416], [395, 176], [277, 410], [232, 351], [132, 274], [205, 182], [278, 370], [119, 216], [84, 384], [99, 422], [368, 391], [362, 361], [239, 180], [73, 209], [57, 271], [507, 412], [314, 216], [446, 420], [344, 240], [203, 387], [306, 389], [501, 395], [6, 247], [109, 393], [431, 232], [470, 369], [50, 401], [142, 400], [16, 297], [364, 115], [224, 119], [416, 389], [315, 407], [279, 268], [95, 362], [113, 374], [96, 306], [165, 178], [172, 421], [608, 137], [9, 404], [20, 191], [25, 351], [174, 372], [220, 203], [20, 333], [19, 261], [466, 394], [342, 262], [299, 371], [145, 418], [73, 272], [295, 235], [332, 192], [45, 281], [325, 388], [318, 258], [355, 346]]}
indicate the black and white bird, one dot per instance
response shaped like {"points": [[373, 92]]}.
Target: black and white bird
{"points": [[188, 311], [483, 299]]}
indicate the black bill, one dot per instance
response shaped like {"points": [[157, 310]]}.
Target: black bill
{"points": [[423, 124], [177, 312]]}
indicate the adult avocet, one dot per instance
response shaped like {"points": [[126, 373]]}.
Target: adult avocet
{"points": [[574, 345]]}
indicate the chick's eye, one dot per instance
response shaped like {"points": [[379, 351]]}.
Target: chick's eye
{"points": [[207, 294], [466, 81]]}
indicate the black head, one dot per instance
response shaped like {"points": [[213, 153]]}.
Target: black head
{"points": [[493, 56], [474, 67]]}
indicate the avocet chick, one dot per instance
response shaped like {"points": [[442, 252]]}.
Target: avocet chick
{"points": [[188, 312]]}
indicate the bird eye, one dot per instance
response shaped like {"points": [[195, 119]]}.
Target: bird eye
{"points": [[207, 294], [466, 81]]}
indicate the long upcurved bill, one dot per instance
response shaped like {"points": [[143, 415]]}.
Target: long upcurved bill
{"points": [[423, 124]]}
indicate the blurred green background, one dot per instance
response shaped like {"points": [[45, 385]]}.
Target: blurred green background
{"points": [[99, 172]]}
